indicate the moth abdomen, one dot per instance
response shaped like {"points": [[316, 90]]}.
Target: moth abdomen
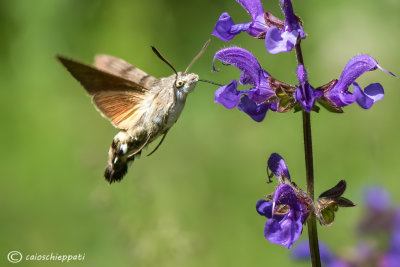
{"points": [[117, 165], [123, 150], [115, 172]]}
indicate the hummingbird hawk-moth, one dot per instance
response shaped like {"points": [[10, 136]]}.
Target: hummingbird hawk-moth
{"points": [[141, 106]]}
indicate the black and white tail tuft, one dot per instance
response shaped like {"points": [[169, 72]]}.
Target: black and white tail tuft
{"points": [[117, 158]]}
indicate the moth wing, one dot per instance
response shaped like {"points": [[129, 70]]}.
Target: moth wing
{"points": [[123, 69], [117, 98], [121, 108], [95, 80]]}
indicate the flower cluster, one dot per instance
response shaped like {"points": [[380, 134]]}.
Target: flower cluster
{"points": [[267, 92], [288, 208], [381, 219], [279, 36]]}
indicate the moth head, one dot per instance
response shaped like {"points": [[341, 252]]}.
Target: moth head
{"points": [[186, 82]]}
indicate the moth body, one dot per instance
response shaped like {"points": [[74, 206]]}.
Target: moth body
{"points": [[157, 113]]}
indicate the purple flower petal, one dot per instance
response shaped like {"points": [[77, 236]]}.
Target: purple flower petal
{"points": [[357, 66], [375, 91], [285, 195], [244, 61], [227, 95], [261, 93], [256, 11], [302, 74], [372, 93], [284, 232], [225, 29], [264, 208], [257, 27], [344, 99], [291, 22], [253, 7], [252, 74], [278, 165], [247, 80], [284, 229], [274, 107], [256, 111], [277, 41], [305, 94]]}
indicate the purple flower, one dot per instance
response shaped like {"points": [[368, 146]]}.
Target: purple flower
{"points": [[226, 29], [285, 214], [339, 96], [302, 252], [264, 208], [305, 94], [256, 111], [371, 94], [278, 166], [251, 101], [227, 95], [283, 40]]}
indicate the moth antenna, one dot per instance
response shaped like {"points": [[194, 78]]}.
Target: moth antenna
{"points": [[163, 59], [206, 81], [198, 55]]}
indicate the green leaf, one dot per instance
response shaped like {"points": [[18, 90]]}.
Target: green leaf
{"points": [[328, 213]]}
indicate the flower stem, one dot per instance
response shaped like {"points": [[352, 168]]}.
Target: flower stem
{"points": [[311, 221]]}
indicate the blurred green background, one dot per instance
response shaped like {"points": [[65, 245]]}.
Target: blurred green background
{"points": [[193, 202]]}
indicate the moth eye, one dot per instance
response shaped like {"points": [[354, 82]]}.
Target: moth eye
{"points": [[179, 84]]}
